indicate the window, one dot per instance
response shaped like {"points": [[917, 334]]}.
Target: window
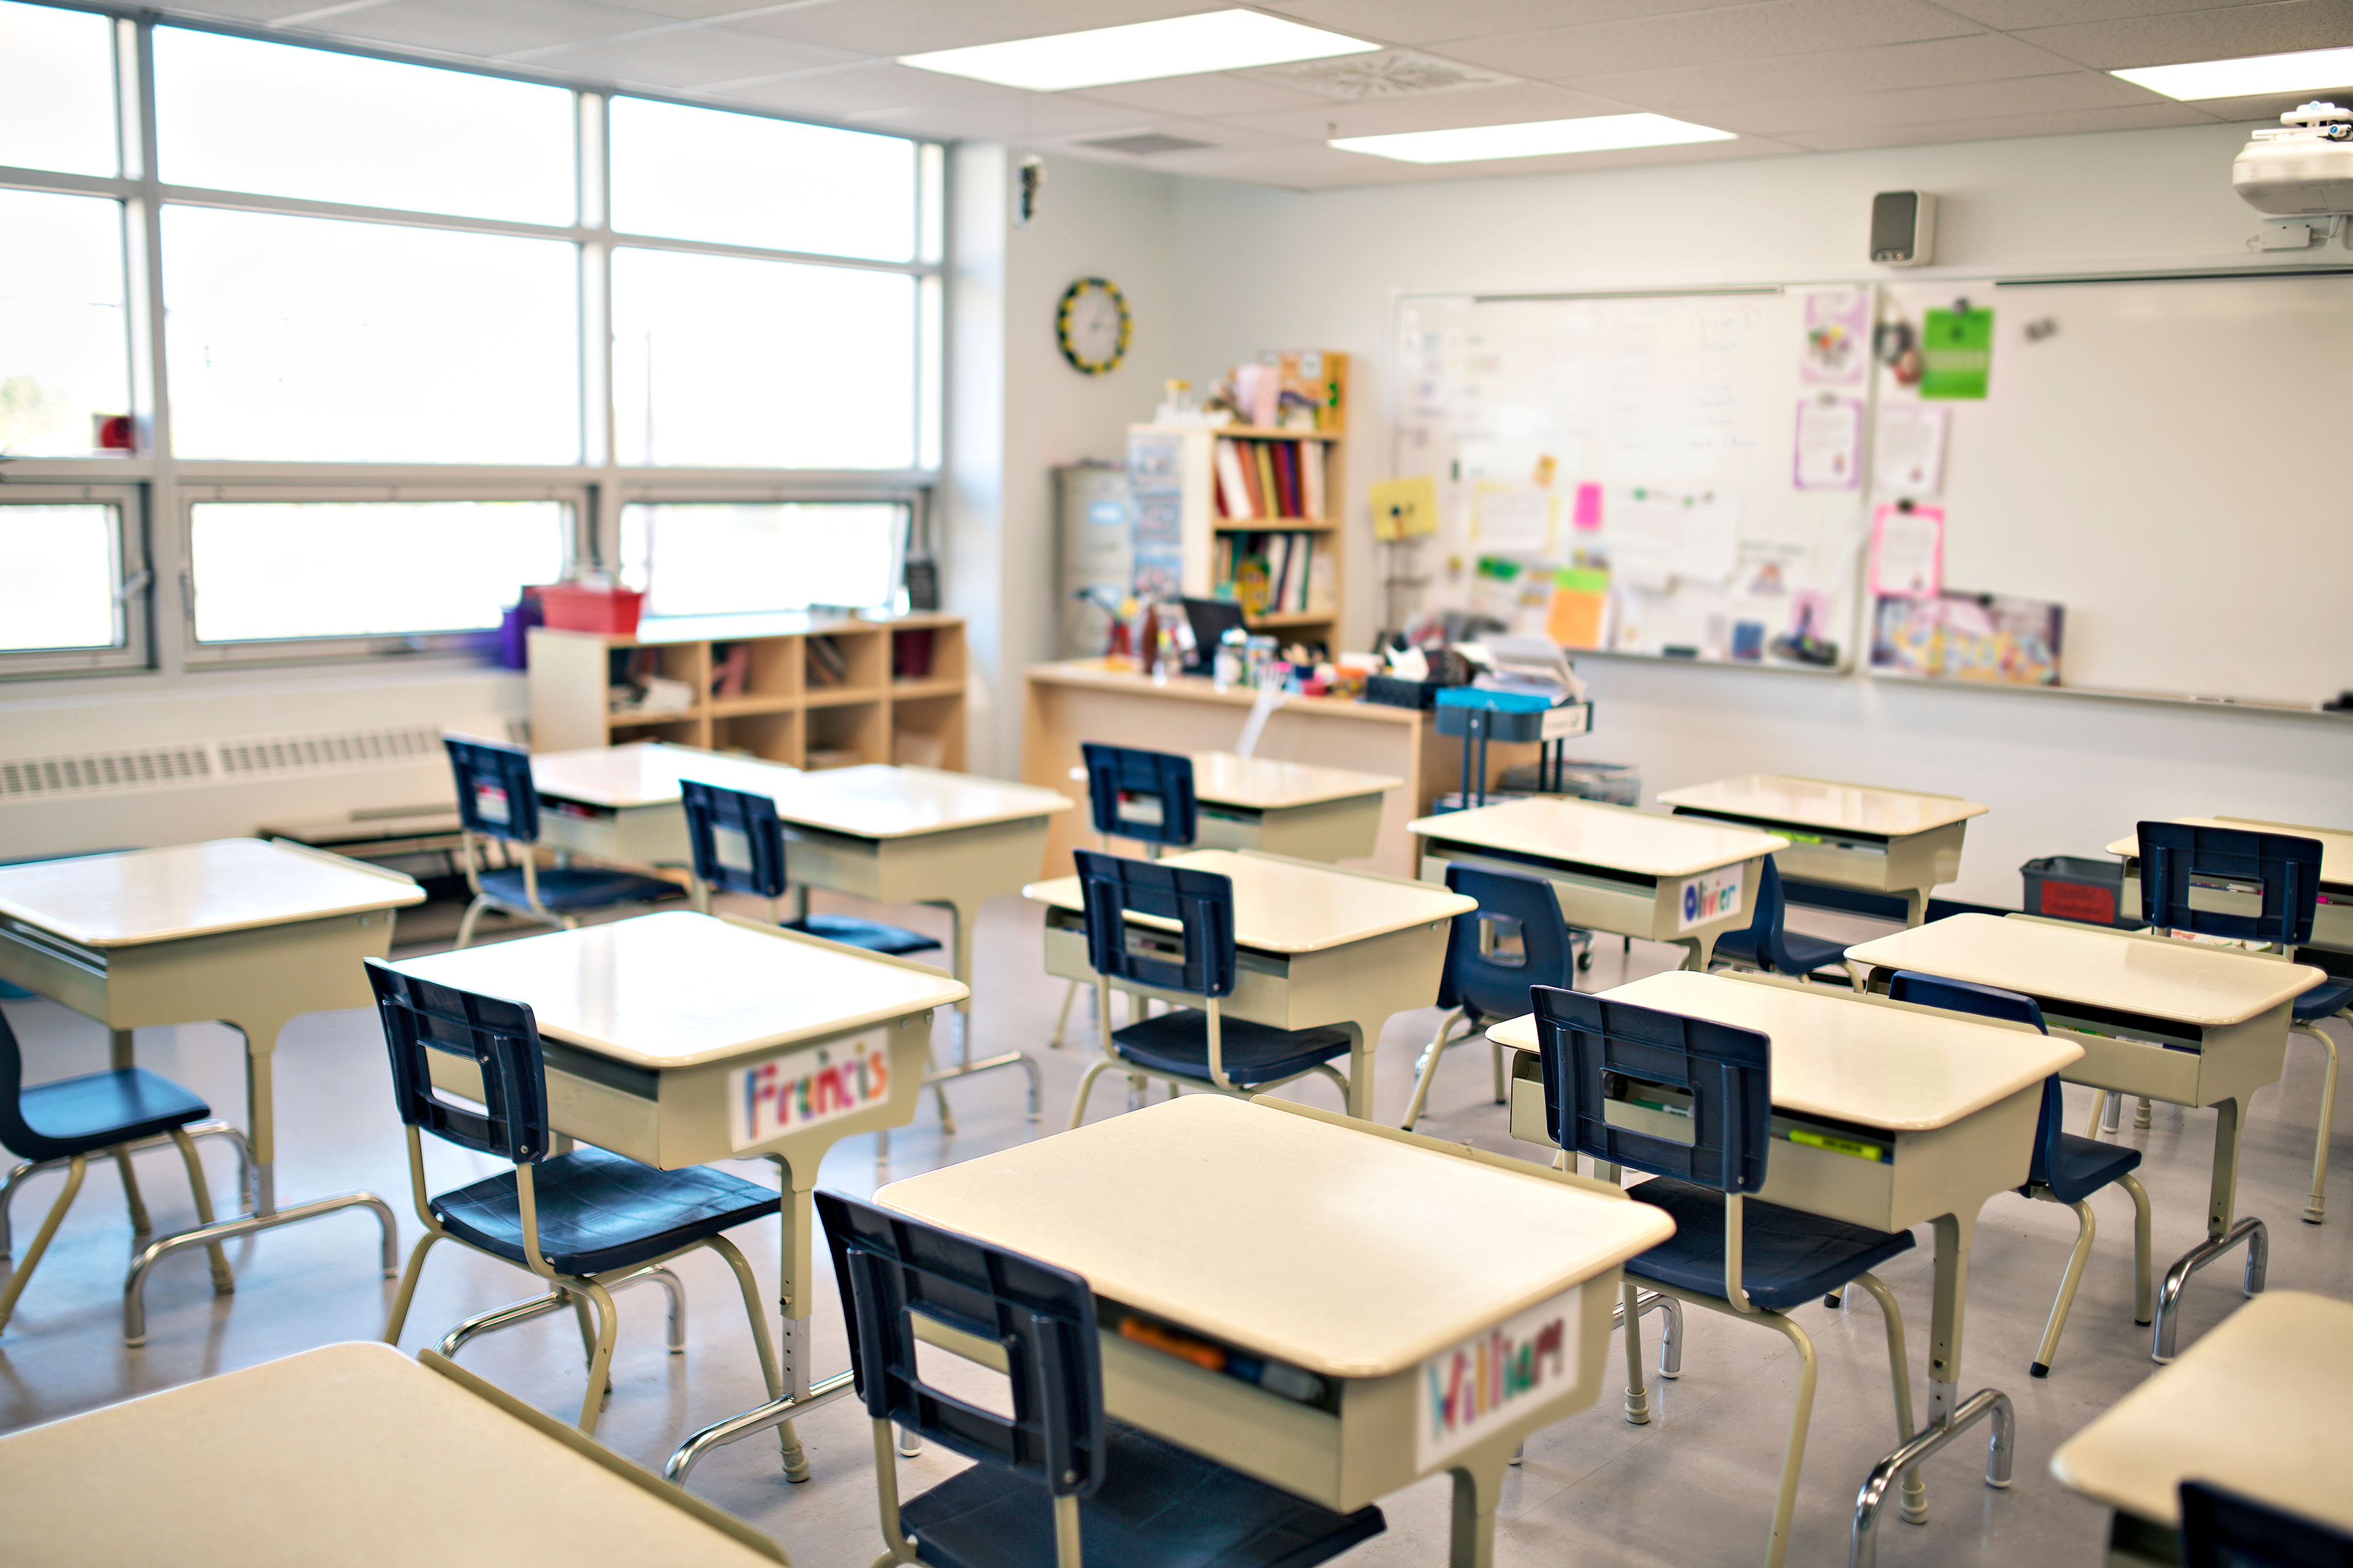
{"points": [[57, 90], [738, 179], [272, 570], [313, 340], [704, 557], [70, 555], [64, 362]]}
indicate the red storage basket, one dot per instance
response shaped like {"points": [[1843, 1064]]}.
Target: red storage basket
{"points": [[572, 608]]}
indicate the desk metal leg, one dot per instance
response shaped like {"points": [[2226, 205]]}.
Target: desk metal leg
{"points": [[1478, 1486], [2222, 1237], [960, 960]]}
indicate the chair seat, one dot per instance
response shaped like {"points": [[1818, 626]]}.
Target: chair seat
{"points": [[99, 1110], [1811, 953], [1159, 1506], [2085, 1165], [599, 1210], [871, 935], [1738, 947], [2324, 1000], [579, 887], [1787, 1258], [1251, 1053]]}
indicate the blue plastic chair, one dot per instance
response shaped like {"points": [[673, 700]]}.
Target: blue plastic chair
{"points": [[2065, 1169], [72, 1119], [1688, 1102], [1057, 1481], [1146, 796], [1485, 980], [586, 1220], [1194, 1047], [496, 800], [1768, 944], [739, 847], [2180, 861], [2221, 1529]]}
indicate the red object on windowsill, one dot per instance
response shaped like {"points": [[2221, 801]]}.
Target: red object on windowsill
{"points": [[572, 608]]}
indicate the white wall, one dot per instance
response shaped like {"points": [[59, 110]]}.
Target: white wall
{"points": [[1259, 268]]}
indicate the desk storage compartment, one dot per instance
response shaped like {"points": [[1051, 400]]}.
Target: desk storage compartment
{"points": [[1285, 1443]]}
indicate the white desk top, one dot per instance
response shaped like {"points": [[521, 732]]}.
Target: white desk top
{"points": [[674, 990], [878, 800], [1617, 836], [350, 1454], [646, 772], [2335, 843], [1345, 1252], [1891, 1068], [1222, 778], [1297, 906], [1818, 802], [193, 889], [2188, 982], [2262, 1403]]}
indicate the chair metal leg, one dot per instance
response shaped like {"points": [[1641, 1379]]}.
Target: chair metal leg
{"points": [[1062, 1019], [505, 1317], [1629, 1311], [2313, 1211], [26, 1170], [2144, 1270], [2086, 1228], [2140, 1112], [1086, 1086], [600, 1364], [1785, 1505], [408, 1292], [465, 921], [1437, 1047], [1899, 1366], [75, 1170], [675, 1289], [2099, 1108], [224, 1282], [131, 1198], [1670, 1332], [16, 1178]]}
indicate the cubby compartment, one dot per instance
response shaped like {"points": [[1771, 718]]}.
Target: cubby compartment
{"points": [[843, 664], [771, 737], [928, 733], [845, 735]]}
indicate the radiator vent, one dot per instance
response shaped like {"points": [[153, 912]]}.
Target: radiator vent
{"points": [[241, 758]]}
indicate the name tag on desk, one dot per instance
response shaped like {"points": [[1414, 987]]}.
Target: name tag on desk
{"points": [[806, 1087], [1478, 1386], [1708, 898]]}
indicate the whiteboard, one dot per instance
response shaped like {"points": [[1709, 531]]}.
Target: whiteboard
{"points": [[1651, 435], [2172, 462]]}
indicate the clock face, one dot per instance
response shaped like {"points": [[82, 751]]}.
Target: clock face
{"points": [[1092, 325]]}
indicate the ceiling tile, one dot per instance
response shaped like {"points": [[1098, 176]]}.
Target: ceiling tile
{"points": [[2054, 12], [1418, 21], [1315, 168], [692, 10], [862, 89], [894, 28], [243, 10], [1978, 57], [1436, 111], [1219, 92], [2219, 34], [2070, 122], [1690, 38], [1926, 105], [1016, 117], [468, 27], [685, 58], [2265, 110]]}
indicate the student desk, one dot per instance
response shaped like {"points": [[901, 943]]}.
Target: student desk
{"points": [[1315, 947], [2175, 1021], [349, 1454], [2262, 1406], [662, 1036], [2332, 918], [1614, 868], [620, 803], [1884, 1114], [250, 934], [1287, 808], [1379, 1271], [1848, 836]]}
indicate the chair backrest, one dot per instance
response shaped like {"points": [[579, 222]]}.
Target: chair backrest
{"points": [[1200, 902], [2223, 1529], [1767, 912], [1986, 1002], [1143, 795], [889, 1268], [739, 844], [501, 1038], [495, 797], [1716, 1080], [1480, 982], [2177, 858], [15, 1134]]}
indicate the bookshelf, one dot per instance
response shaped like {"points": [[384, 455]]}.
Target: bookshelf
{"points": [[808, 691], [1259, 509]]}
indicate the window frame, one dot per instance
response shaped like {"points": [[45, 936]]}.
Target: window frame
{"points": [[916, 499], [132, 588]]}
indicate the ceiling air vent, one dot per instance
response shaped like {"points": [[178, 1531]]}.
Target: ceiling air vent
{"points": [[1392, 73]]}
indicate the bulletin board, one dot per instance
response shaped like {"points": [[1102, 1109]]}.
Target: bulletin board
{"points": [[1664, 474], [2170, 461]]}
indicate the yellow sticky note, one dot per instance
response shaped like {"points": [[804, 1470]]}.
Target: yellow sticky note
{"points": [[1403, 509]]}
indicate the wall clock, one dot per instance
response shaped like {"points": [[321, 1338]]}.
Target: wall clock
{"points": [[1092, 325]]}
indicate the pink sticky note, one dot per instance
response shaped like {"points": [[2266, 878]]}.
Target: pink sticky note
{"points": [[1587, 515]]}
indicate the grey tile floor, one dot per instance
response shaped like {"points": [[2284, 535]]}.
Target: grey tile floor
{"points": [[1694, 1487]]}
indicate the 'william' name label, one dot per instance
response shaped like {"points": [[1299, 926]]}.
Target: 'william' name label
{"points": [[1488, 1380]]}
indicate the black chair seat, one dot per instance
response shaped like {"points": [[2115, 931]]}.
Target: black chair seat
{"points": [[579, 888], [98, 1111], [1809, 953], [2085, 1165], [2324, 1000], [1159, 1506], [599, 1210], [873, 936], [1251, 1053], [1786, 1258]]}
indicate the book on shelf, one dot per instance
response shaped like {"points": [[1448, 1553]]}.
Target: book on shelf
{"points": [[731, 670], [1233, 489], [1268, 478], [1287, 571], [826, 665]]}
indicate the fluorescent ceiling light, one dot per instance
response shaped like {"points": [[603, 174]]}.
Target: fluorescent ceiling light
{"points": [[1535, 139], [2302, 71], [1142, 51]]}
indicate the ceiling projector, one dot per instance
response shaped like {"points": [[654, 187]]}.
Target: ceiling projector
{"points": [[2302, 170]]}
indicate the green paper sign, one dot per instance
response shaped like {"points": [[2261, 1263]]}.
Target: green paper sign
{"points": [[1955, 353]]}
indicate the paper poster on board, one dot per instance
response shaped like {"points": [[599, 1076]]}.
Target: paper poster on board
{"points": [[1829, 443], [1908, 552], [1838, 336], [1908, 457], [1956, 352]]}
